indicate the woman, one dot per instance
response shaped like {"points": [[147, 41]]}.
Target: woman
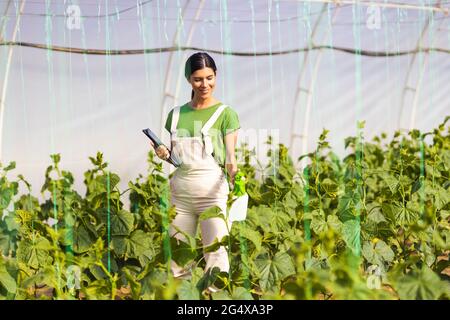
{"points": [[203, 135]]}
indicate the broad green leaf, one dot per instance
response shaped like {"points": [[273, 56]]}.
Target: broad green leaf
{"points": [[45, 276], [371, 183], [445, 214], [421, 284], [5, 198], [391, 181], [221, 295], [431, 171], [334, 223], [188, 291], [318, 223], [122, 223], [82, 240], [6, 280], [137, 245], [113, 180], [280, 220], [213, 212], [349, 204], [375, 213], [261, 216], [98, 290], [428, 252], [377, 253], [35, 252], [152, 281], [240, 293], [329, 186], [182, 252], [251, 235], [290, 203], [272, 270], [351, 235], [417, 185], [404, 215], [7, 242], [442, 198]]}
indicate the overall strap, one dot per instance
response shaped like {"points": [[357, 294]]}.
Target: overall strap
{"points": [[208, 125], [175, 117]]}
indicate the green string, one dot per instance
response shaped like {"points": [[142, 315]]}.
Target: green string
{"points": [[109, 220], [164, 207]]}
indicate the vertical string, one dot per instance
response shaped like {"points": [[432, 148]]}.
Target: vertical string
{"points": [[108, 192]]}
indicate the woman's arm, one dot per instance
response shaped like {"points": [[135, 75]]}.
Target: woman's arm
{"points": [[230, 160]]}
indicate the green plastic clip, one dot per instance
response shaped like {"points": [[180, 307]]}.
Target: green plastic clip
{"points": [[239, 184]]}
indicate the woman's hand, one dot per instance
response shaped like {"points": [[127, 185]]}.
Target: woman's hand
{"points": [[162, 152], [232, 169], [230, 160]]}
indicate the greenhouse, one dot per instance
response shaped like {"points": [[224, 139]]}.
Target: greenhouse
{"points": [[340, 165]]}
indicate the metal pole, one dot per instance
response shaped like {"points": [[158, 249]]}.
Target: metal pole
{"points": [[5, 79]]}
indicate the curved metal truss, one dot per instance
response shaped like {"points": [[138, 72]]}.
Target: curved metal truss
{"points": [[304, 94], [413, 85], [7, 68]]}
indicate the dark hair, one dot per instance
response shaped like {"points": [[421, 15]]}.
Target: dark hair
{"points": [[196, 62]]}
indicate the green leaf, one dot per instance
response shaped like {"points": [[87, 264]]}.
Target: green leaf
{"points": [[35, 252], [6, 280], [261, 216], [334, 223], [122, 223], [351, 235], [182, 252], [330, 187], [138, 245], [318, 223], [151, 282], [377, 253], [56, 158], [11, 166], [188, 291], [212, 212], [273, 270], [421, 284], [441, 197], [348, 205], [290, 203], [251, 235], [417, 185], [221, 295], [349, 140], [431, 171], [5, 198], [391, 181], [113, 180], [404, 215], [82, 240], [375, 213], [240, 293]]}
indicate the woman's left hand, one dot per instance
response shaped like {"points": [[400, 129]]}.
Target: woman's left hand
{"points": [[232, 169]]}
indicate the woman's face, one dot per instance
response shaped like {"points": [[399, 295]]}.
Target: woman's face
{"points": [[203, 82]]}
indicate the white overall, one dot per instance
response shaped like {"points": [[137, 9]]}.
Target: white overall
{"points": [[198, 184]]}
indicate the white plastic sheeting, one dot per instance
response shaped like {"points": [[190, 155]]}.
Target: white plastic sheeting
{"points": [[76, 105]]}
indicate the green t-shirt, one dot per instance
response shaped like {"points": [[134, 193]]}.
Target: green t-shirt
{"points": [[191, 121]]}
